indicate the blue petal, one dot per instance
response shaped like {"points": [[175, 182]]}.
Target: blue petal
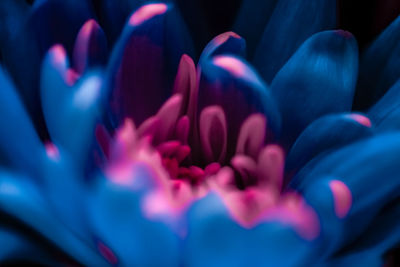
{"points": [[230, 82], [215, 239], [113, 15], [22, 200], [386, 113], [19, 144], [13, 14], [47, 23], [16, 247], [325, 134], [379, 66], [225, 43], [145, 60], [318, 79], [291, 23], [68, 107], [251, 21], [369, 169], [382, 235], [119, 223]]}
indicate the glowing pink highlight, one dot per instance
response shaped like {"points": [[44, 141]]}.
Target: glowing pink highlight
{"points": [[361, 119], [342, 198], [59, 54], [147, 12], [231, 64], [52, 151]]}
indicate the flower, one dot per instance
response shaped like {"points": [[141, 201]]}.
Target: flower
{"points": [[140, 157]]}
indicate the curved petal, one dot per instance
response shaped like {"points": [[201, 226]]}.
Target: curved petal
{"points": [[16, 248], [215, 239], [120, 225], [145, 60], [325, 134], [12, 16], [251, 21], [318, 79], [22, 200], [365, 180], [382, 235], [386, 113], [379, 66], [68, 105], [48, 22], [90, 48], [231, 83], [291, 23], [20, 146], [225, 43]]}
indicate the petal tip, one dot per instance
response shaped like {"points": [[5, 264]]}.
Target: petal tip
{"points": [[147, 12]]}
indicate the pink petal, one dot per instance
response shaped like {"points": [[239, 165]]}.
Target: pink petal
{"points": [[213, 133]]}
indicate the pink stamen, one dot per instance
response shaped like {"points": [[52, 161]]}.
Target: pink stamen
{"points": [[168, 149], [168, 116], [147, 12], [186, 85], [342, 198], [213, 131], [149, 127], [271, 165], [252, 135], [182, 129], [246, 166]]}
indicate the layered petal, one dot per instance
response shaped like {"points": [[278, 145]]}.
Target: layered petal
{"points": [[325, 134], [215, 239], [121, 229], [225, 43], [145, 60], [386, 113], [20, 146], [229, 82], [379, 66], [22, 200], [16, 247], [348, 191], [371, 248], [291, 23], [251, 21], [318, 79], [48, 22], [70, 105], [90, 50]]}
